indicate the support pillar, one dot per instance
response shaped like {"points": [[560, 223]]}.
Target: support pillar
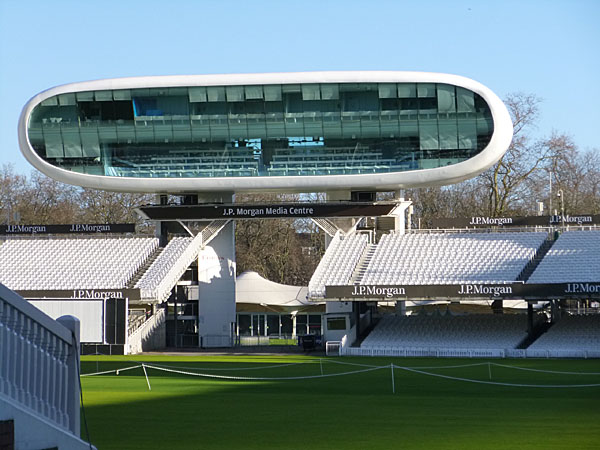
{"points": [[400, 308], [529, 319], [356, 312], [216, 282], [498, 307], [399, 213]]}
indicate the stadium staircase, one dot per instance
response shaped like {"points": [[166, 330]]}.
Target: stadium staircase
{"points": [[363, 263], [144, 268], [326, 225], [537, 259], [161, 277], [538, 330]]}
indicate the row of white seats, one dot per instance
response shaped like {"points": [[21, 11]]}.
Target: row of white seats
{"points": [[63, 264], [479, 331], [447, 258], [574, 257], [571, 333]]}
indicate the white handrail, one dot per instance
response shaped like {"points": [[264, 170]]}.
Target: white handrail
{"points": [[39, 361]]}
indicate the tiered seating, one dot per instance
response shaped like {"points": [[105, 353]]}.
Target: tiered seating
{"points": [[161, 266], [574, 257], [328, 160], [338, 263], [478, 331], [63, 264], [451, 258], [199, 162], [570, 336]]}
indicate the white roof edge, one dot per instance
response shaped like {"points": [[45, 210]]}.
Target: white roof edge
{"points": [[498, 145]]}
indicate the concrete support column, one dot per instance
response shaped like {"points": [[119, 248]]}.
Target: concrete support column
{"points": [[498, 307], [529, 318], [399, 213], [400, 308]]}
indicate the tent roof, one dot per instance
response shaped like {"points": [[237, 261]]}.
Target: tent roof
{"points": [[252, 288]]}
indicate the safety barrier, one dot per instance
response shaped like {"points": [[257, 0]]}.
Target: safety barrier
{"points": [[39, 361]]}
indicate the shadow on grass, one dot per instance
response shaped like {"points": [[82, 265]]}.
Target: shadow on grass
{"points": [[350, 412]]}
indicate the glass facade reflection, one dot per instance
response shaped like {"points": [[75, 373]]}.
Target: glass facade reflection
{"points": [[261, 130]]}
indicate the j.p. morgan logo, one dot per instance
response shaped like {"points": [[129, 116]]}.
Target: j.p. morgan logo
{"points": [[25, 229], [94, 294], [498, 221], [582, 288], [579, 220], [378, 291], [480, 289]]}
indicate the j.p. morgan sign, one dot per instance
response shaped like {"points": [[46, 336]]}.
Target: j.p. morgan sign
{"points": [[529, 221], [264, 211], [76, 228], [82, 294], [465, 291]]}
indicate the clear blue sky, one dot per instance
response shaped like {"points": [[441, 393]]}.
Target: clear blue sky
{"points": [[547, 48]]}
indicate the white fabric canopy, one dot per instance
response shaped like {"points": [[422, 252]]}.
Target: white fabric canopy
{"points": [[252, 288]]}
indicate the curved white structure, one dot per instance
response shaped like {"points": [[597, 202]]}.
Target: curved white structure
{"points": [[65, 162]]}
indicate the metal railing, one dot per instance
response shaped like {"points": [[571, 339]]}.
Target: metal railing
{"points": [[39, 361]]}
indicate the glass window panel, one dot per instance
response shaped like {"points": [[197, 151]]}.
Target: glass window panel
{"points": [[311, 92], [407, 90], [66, 99], [215, 93], [426, 90], [254, 92], [52, 101], [467, 133], [54, 144], [178, 91], [446, 98], [428, 135], [103, 96], [71, 144], [330, 91], [123, 94], [388, 90], [142, 92], [197, 94], [235, 93], [272, 93], [484, 125], [448, 134], [90, 143], [409, 128], [291, 88], [465, 100], [85, 96], [272, 325]]}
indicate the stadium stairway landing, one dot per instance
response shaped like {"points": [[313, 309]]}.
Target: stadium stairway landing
{"points": [[537, 259]]}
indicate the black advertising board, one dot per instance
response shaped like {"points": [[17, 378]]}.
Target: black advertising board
{"points": [[81, 294], [585, 290], [526, 221], [75, 228], [265, 211]]}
